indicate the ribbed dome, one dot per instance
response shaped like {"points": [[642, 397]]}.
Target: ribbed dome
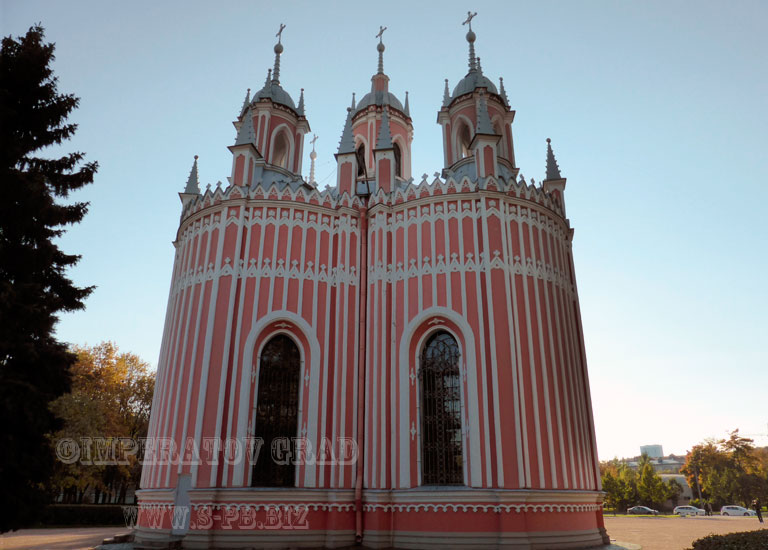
{"points": [[379, 98], [275, 92], [469, 83]]}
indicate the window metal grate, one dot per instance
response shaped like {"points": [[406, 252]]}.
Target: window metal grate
{"points": [[441, 444], [277, 410]]}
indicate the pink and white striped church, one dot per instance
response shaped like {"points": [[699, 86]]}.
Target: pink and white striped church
{"points": [[386, 362]]}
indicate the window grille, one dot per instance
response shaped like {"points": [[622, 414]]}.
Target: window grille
{"points": [[441, 442], [277, 411]]}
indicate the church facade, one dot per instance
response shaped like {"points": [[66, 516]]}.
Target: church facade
{"points": [[387, 362]]}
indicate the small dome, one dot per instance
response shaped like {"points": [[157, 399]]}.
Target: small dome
{"points": [[379, 98], [469, 83], [276, 93]]}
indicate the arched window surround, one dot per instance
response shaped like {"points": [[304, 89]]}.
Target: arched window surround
{"points": [[459, 123], [285, 131]]}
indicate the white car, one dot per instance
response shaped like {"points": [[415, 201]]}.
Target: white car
{"points": [[683, 511], [736, 511]]}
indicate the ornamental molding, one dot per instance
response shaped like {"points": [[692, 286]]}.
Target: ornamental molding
{"points": [[469, 264], [334, 276], [494, 508]]}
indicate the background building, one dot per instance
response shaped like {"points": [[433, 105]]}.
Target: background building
{"points": [[412, 349]]}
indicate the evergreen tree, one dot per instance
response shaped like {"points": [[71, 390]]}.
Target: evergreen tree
{"points": [[34, 286]]}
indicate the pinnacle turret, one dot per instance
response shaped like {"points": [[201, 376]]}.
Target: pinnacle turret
{"points": [[503, 92], [246, 134], [446, 95], [300, 108], [353, 101], [483, 118], [407, 106], [193, 182], [246, 102], [347, 142], [384, 139], [553, 170]]}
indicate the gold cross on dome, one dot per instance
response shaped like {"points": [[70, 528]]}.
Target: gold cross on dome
{"points": [[470, 16], [280, 32], [381, 32]]}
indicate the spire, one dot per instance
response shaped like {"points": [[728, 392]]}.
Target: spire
{"points": [[446, 95], [553, 171], [380, 47], [347, 142], [471, 39], [193, 183], [246, 101], [503, 92], [246, 134], [483, 119], [479, 68], [407, 107], [353, 101], [384, 141], [269, 78], [278, 50], [300, 108], [312, 157]]}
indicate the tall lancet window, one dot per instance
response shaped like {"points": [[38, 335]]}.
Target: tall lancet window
{"points": [[281, 152], [361, 160], [464, 139], [441, 445], [277, 412], [398, 161]]}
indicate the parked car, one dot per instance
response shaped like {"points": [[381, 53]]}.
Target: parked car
{"points": [[736, 511], [643, 510], [683, 511]]}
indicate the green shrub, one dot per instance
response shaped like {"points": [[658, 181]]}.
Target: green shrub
{"points": [[750, 540], [83, 514]]}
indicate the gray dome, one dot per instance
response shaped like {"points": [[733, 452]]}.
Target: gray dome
{"points": [[469, 83], [379, 98], [275, 92]]}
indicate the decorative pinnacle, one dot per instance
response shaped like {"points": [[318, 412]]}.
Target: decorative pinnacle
{"points": [[193, 182], [246, 101], [471, 39], [503, 92], [381, 47], [483, 119], [384, 140], [269, 78], [278, 50], [312, 157], [347, 142], [246, 134], [353, 100], [479, 67], [446, 95], [407, 107], [300, 108], [553, 170]]}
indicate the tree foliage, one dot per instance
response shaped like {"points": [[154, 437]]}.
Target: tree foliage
{"points": [[626, 487], [109, 403], [34, 287], [730, 471]]}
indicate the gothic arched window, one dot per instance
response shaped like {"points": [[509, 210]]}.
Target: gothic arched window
{"points": [[281, 151], [440, 381], [361, 160], [464, 139], [277, 413], [398, 161]]}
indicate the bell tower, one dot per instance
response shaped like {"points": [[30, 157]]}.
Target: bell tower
{"points": [[270, 129]]}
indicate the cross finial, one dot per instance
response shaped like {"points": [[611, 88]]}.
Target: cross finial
{"points": [[381, 32], [279, 33], [470, 16], [313, 140]]}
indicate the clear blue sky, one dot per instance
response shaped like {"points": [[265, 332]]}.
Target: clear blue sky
{"points": [[657, 111]]}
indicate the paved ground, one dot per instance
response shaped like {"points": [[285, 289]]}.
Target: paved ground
{"points": [[674, 533], [57, 539]]}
